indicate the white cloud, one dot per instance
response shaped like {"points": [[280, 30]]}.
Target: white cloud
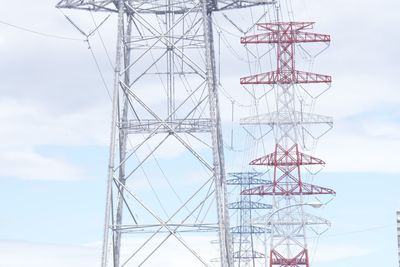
{"points": [[67, 105], [332, 253], [30, 165], [49, 97], [172, 254], [366, 144], [28, 126]]}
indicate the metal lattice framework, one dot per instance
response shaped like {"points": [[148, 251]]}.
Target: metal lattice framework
{"points": [[164, 93], [288, 243], [245, 232], [159, 7]]}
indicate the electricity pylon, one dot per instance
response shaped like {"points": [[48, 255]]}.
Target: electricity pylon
{"points": [[288, 239], [164, 94]]}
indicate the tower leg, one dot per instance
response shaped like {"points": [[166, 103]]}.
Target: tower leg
{"points": [[218, 148]]}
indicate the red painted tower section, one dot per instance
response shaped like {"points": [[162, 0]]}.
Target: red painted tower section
{"points": [[285, 35], [287, 161]]}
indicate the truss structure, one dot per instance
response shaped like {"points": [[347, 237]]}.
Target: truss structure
{"points": [[164, 95], [288, 220], [158, 6], [245, 233], [299, 118]]}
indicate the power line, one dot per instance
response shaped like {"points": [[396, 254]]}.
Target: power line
{"points": [[99, 69], [371, 229], [39, 33]]}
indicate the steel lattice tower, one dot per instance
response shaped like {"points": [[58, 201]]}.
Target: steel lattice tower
{"points": [[164, 88], [398, 234], [288, 242], [243, 234]]}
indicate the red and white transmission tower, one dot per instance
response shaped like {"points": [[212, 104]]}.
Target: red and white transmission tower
{"points": [[288, 244]]}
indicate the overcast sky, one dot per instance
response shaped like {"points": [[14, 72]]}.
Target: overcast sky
{"points": [[55, 112]]}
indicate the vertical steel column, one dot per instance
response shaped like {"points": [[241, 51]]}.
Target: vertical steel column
{"points": [[218, 148], [123, 135], [114, 119], [398, 234]]}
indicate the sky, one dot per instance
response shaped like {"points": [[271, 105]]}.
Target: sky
{"points": [[55, 117]]}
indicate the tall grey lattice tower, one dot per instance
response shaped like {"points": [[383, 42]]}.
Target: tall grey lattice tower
{"points": [[166, 160], [398, 233]]}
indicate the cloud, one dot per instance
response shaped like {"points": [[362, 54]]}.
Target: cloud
{"points": [[332, 253], [28, 126], [173, 254], [52, 94], [49, 97], [30, 165], [363, 144]]}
